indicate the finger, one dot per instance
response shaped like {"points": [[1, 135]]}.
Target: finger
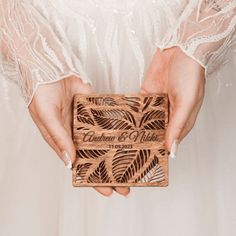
{"points": [[106, 191], [56, 129], [122, 190], [45, 134], [49, 139], [179, 115], [190, 123]]}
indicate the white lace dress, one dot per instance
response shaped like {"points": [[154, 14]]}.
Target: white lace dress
{"points": [[110, 43]]}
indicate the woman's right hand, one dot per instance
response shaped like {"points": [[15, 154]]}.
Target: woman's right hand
{"points": [[51, 110]]}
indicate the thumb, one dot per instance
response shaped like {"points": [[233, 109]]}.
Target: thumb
{"points": [[57, 131], [179, 117]]}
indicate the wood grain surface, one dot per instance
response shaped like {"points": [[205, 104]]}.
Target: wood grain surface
{"points": [[119, 140]]}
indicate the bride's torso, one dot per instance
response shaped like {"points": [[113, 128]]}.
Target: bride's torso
{"points": [[109, 34]]}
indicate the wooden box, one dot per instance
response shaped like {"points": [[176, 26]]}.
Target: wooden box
{"points": [[119, 140]]}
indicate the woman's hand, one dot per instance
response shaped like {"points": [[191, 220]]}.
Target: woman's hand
{"points": [[183, 79], [51, 110]]}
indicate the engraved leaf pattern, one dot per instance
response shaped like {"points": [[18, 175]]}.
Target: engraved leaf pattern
{"points": [[128, 162], [81, 171], [147, 101], [154, 119], [162, 152], [90, 153], [125, 165], [102, 101], [82, 128], [83, 115], [156, 124], [158, 101], [133, 103], [153, 173], [114, 119], [100, 174]]}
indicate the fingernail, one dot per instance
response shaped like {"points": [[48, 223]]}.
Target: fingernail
{"points": [[173, 150], [66, 159]]}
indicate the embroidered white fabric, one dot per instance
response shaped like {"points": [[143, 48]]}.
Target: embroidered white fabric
{"points": [[205, 31], [36, 46]]}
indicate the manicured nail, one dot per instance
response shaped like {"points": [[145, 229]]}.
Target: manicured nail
{"points": [[66, 159], [173, 150]]}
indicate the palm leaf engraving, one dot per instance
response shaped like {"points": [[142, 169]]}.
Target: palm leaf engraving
{"points": [[158, 101], [154, 119], [133, 103], [83, 115], [100, 174], [113, 161], [147, 101], [102, 101], [114, 119], [162, 152], [128, 162], [155, 125], [82, 128], [153, 173], [90, 153], [81, 171]]}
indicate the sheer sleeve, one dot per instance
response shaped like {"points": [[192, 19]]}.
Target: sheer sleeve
{"points": [[32, 50], [205, 31]]}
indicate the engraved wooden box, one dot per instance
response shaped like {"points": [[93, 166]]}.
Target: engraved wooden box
{"points": [[119, 139]]}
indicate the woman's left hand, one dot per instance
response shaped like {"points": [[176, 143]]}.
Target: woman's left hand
{"points": [[183, 79]]}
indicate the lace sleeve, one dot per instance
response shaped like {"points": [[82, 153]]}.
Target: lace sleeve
{"points": [[205, 31], [32, 50]]}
